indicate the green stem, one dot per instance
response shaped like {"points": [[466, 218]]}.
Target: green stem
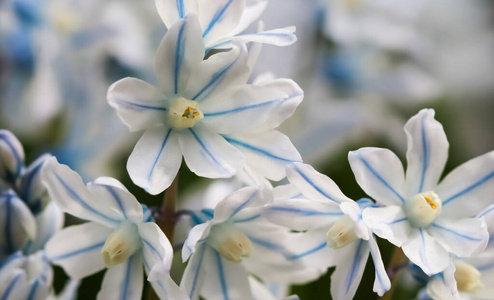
{"points": [[397, 259]]}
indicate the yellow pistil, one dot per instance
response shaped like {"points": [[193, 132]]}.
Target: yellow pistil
{"points": [[184, 113], [230, 242]]}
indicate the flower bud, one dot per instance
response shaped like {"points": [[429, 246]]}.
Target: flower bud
{"points": [[121, 244], [423, 209], [467, 277], [341, 233], [230, 242], [184, 113]]}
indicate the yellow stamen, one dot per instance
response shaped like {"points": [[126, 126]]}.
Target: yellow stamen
{"points": [[431, 203], [190, 113]]}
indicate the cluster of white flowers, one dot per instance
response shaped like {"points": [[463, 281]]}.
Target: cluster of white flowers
{"points": [[206, 111]]}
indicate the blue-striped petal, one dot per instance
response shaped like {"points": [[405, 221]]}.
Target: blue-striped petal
{"points": [[123, 281], [380, 174], [155, 161], [467, 190], [11, 156], [77, 249], [313, 184], [171, 11], [194, 274], [31, 189], [219, 18], [427, 152], [346, 278], [48, 222], [390, 223], [382, 284], [208, 154]]}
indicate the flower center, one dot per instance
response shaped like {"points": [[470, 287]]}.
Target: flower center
{"points": [[230, 242], [121, 244], [184, 113], [341, 233], [467, 277], [423, 209]]}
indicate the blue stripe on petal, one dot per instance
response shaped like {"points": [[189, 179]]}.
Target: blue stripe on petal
{"points": [[353, 271], [206, 150], [243, 108], [17, 157], [137, 106], [378, 176], [196, 273], [221, 274], [8, 224], [117, 199], [153, 248], [216, 18], [180, 8], [303, 212], [218, 45], [32, 292], [27, 181], [77, 252], [10, 287], [125, 284], [243, 204], [485, 267], [216, 79], [179, 55], [159, 154], [485, 212], [248, 219], [266, 244], [425, 153], [461, 235], [317, 188], [423, 255], [258, 150], [78, 199], [308, 252], [470, 188], [397, 221]]}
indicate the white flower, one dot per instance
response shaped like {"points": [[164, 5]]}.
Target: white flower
{"points": [[333, 231], [25, 277], [203, 111], [428, 220], [232, 241], [222, 21], [117, 235]]}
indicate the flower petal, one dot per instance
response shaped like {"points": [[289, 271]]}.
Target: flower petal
{"points": [[171, 11], [390, 223], [17, 224], [467, 190], [443, 285], [302, 214], [313, 184], [267, 153], [289, 104], [382, 284], [217, 74], [239, 200], [219, 18], [278, 37], [208, 154], [380, 174], [123, 281], [462, 237], [424, 251], [31, 189], [346, 278], [194, 274], [110, 188], [252, 12], [138, 104], [156, 250], [179, 53], [311, 249], [48, 222], [224, 279], [249, 107], [155, 160], [12, 156], [77, 249], [427, 152], [68, 191]]}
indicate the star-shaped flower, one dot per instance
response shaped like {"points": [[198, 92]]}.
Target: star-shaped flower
{"points": [[202, 111], [223, 20], [119, 235], [231, 241], [429, 220], [333, 231]]}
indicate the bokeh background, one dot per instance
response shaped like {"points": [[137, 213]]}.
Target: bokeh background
{"points": [[366, 66]]}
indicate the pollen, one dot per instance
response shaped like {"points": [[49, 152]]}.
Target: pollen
{"points": [[431, 203], [190, 113]]}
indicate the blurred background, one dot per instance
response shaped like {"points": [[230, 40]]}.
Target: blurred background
{"points": [[366, 67]]}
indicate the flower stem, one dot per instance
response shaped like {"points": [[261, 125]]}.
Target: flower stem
{"points": [[166, 217]]}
